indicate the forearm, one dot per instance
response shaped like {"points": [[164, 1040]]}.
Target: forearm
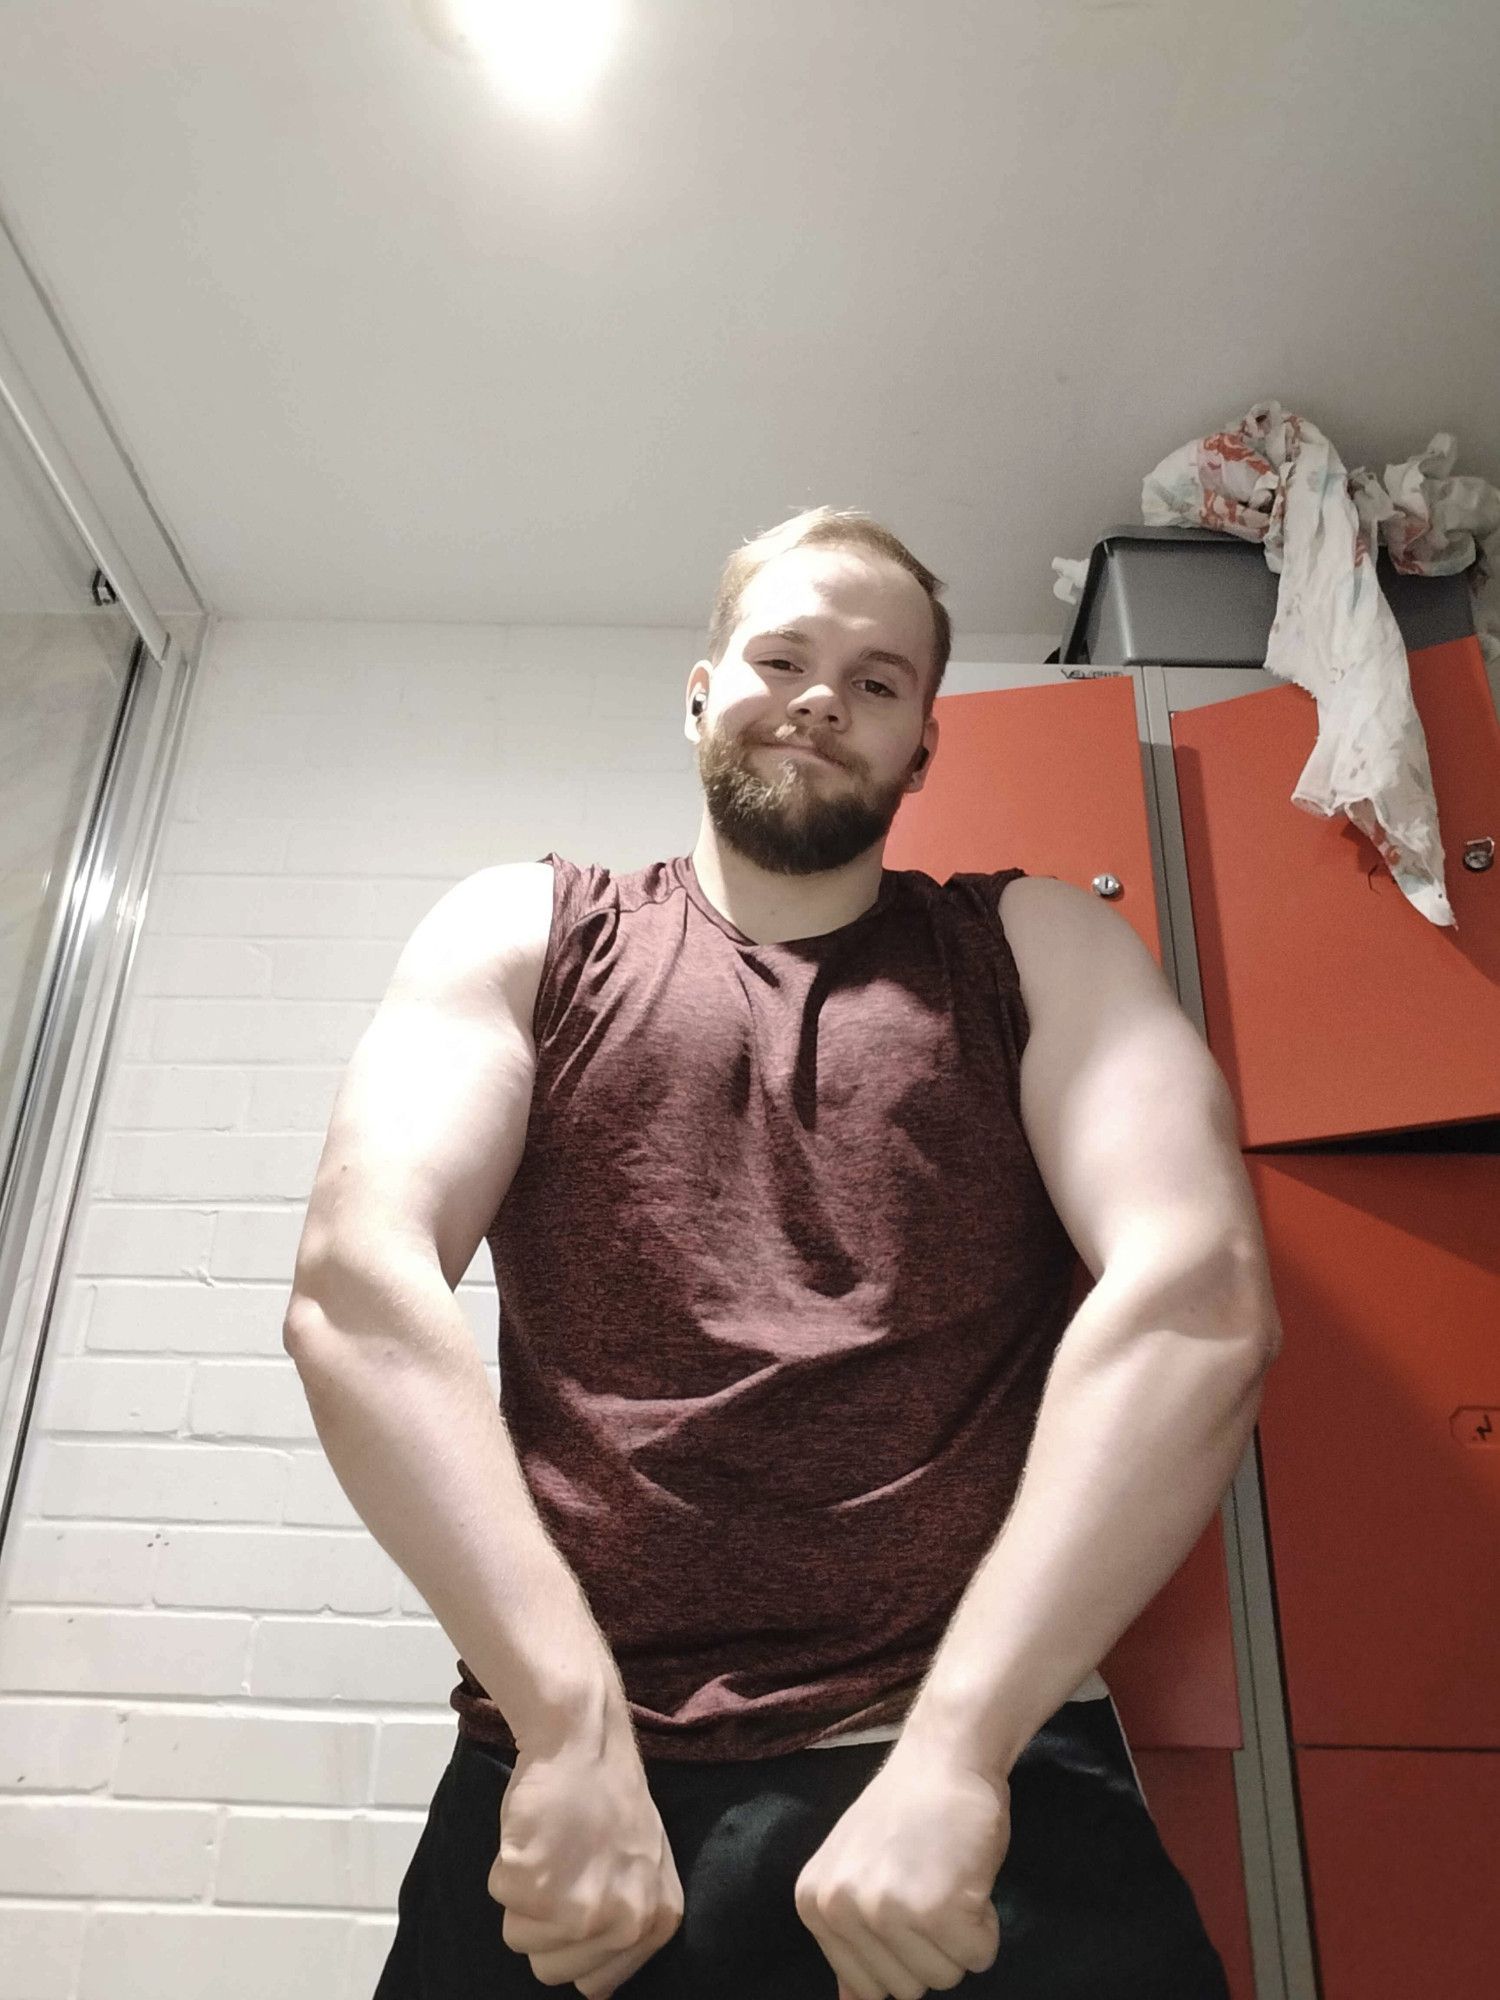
{"points": [[409, 1424], [1147, 1410]]}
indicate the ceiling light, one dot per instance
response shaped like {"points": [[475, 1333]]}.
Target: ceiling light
{"points": [[543, 53]]}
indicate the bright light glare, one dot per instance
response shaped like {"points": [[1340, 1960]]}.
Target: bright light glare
{"points": [[545, 52]]}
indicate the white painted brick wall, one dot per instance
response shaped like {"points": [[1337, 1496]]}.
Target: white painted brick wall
{"points": [[223, 1710]]}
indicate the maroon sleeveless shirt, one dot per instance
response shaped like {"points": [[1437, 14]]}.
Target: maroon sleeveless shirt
{"points": [[780, 1284]]}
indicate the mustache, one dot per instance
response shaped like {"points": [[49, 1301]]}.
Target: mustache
{"points": [[800, 743]]}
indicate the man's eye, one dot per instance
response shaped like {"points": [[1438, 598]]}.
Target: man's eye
{"points": [[869, 681]]}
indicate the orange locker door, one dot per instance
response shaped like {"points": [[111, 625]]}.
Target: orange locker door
{"points": [[1380, 1445], [1050, 779], [1043, 778], [1333, 1008], [1191, 1796], [1403, 1863]]}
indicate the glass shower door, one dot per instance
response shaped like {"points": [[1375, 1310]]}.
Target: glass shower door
{"points": [[69, 659]]}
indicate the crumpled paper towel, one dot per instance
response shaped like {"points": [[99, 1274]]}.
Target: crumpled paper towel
{"points": [[1275, 478]]}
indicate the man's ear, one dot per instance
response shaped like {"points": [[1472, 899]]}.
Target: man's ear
{"points": [[697, 703], [923, 757]]}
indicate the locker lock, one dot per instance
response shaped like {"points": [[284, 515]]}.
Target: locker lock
{"points": [[1479, 854], [1111, 885]]}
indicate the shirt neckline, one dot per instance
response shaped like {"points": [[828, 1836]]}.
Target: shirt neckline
{"points": [[684, 872]]}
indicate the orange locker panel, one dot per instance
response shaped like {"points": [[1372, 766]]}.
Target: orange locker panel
{"points": [[1191, 1797], [1050, 779], [1043, 778], [1403, 1864], [1172, 1674], [1333, 1008], [1380, 1444]]}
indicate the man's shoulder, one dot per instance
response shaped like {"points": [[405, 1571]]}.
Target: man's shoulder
{"points": [[1039, 903], [499, 916], [1055, 930], [512, 888]]}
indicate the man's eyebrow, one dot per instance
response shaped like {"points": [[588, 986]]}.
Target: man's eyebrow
{"points": [[876, 653]]}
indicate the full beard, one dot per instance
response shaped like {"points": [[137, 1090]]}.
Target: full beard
{"points": [[799, 820]]}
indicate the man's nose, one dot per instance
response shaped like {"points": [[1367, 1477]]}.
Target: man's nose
{"points": [[819, 697]]}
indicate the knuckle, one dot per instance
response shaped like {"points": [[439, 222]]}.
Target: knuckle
{"points": [[635, 1926], [837, 1904]]}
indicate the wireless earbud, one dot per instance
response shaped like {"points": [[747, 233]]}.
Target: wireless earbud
{"points": [[697, 704]]}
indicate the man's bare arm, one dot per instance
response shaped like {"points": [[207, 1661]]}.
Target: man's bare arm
{"points": [[1154, 1390], [425, 1138]]}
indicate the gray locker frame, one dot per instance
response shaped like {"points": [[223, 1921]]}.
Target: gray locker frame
{"points": [[1272, 1846]]}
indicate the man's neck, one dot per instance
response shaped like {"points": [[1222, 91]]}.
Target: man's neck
{"points": [[775, 909]]}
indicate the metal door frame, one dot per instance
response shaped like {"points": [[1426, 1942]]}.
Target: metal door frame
{"points": [[72, 1022]]}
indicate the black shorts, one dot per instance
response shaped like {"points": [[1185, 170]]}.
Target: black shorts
{"points": [[1091, 1906]]}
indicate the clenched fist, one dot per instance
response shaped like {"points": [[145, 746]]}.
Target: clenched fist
{"points": [[584, 1871], [898, 1895]]}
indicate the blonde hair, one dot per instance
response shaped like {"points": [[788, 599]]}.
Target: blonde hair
{"points": [[825, 526]]}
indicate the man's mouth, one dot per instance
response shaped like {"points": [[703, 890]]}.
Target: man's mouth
{"points": [[800, 750]]}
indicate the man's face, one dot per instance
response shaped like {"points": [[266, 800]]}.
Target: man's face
{"points": [[798, 669]]}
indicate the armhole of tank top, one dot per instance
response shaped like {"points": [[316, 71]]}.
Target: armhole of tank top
{"points": [[568, 878], [999, 882]]}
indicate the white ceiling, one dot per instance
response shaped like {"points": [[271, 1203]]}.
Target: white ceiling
{"points": [[384, 347]]}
